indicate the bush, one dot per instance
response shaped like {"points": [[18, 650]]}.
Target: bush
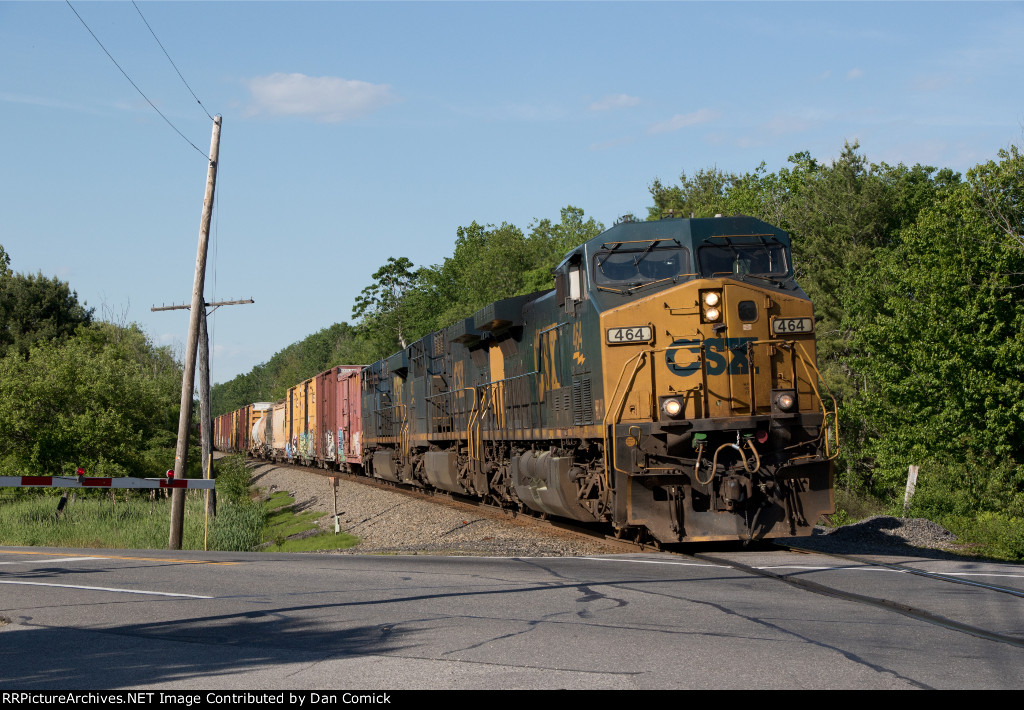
{"points": [[1000, 536], [966, 489], [232, 478], [852, 506], [104, 399]]}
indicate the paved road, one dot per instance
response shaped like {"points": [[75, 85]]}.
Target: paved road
{"points": [[82, 619]]}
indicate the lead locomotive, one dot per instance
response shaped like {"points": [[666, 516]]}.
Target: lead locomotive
{"points": [[666, 387]]}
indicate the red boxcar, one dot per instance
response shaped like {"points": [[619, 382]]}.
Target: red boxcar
{"points": [[339, 418], [222, 432]]}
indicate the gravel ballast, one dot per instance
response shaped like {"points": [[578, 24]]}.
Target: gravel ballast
{"points": [[390, 522]]}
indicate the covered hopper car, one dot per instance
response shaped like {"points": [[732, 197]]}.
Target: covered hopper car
{"points": [[665, 388]]}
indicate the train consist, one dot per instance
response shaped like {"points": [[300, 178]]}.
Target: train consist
{"points": [[665, 388]]}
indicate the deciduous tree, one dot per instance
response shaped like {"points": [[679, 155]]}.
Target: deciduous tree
{"points": [[36, 308], [382, 305], [105, 399]]}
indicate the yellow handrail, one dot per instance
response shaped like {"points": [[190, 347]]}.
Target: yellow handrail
{"points": [[808, 363], [609, 448]]}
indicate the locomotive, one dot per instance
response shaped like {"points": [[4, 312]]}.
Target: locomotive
{"points": [[665, 388]]}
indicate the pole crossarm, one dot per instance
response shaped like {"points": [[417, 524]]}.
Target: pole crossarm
{"points": [[188, 306], [96, 482]]}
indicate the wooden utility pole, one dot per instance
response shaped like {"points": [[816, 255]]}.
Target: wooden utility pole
{"points": [[197, 311], [205, 431]]}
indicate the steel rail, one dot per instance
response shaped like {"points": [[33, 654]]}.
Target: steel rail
{"points": [[909, 570], [886, 604]]}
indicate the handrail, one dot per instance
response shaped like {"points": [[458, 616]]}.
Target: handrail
{"points": [[475, 434], [609, 448], [470, 440], [403, 439], [821, 402]]}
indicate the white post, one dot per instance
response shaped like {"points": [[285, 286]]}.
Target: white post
{"points": [[911, 485]]}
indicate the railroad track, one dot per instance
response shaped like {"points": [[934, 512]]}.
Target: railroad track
{"points": [[504, 515], [766, 561], [912, 611]]}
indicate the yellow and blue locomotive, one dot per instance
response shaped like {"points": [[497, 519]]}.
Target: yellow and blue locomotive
{"points": [[666, 387]]}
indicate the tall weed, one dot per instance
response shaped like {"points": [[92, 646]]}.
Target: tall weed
{"points": [[233, 478], [130, 521], [238, 526]]}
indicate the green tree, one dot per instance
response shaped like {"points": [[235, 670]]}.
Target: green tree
{"points": [[945, 353], [549, 243], [703, 195], [35, 308], [105, 399], [489, 263], [998, 189], [846, 218], [381, 306]]}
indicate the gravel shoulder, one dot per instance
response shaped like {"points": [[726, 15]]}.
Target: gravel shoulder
{"points": [[389, 522], [886, 535]]}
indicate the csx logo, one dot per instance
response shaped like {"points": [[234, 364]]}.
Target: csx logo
{"points": [[717, 351]]}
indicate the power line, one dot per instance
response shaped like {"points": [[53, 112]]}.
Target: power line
{"points": [[172, 62], [132, 82]]}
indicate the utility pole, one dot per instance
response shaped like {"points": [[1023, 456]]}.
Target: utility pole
{"points": [[205, 431], [188, 377]]}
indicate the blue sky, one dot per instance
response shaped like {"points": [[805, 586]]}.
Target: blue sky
{"points": [[357, 131]]}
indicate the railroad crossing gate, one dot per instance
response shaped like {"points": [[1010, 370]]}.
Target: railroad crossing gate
{"points": [[95, 482]]}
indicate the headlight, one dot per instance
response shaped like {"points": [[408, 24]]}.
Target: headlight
{"points": [[785, 401], [710, 306], [672, 407]]}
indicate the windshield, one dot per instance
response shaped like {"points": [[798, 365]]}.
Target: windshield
{"points": [[754, 259], [637, 266]]}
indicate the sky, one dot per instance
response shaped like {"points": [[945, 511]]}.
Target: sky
{"points": [[353, 132]]}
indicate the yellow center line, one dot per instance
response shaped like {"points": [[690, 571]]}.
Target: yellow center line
{"points": [[119, 557]]}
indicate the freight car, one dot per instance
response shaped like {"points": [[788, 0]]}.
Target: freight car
{"points": [[666, 388]]}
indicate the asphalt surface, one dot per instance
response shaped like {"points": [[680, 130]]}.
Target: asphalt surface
{"points": [[81, 619]]}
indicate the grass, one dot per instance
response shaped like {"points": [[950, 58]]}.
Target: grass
{"points": [[93, 519], [851, 507], [992, 535], [131, 520], [284, 528]]}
